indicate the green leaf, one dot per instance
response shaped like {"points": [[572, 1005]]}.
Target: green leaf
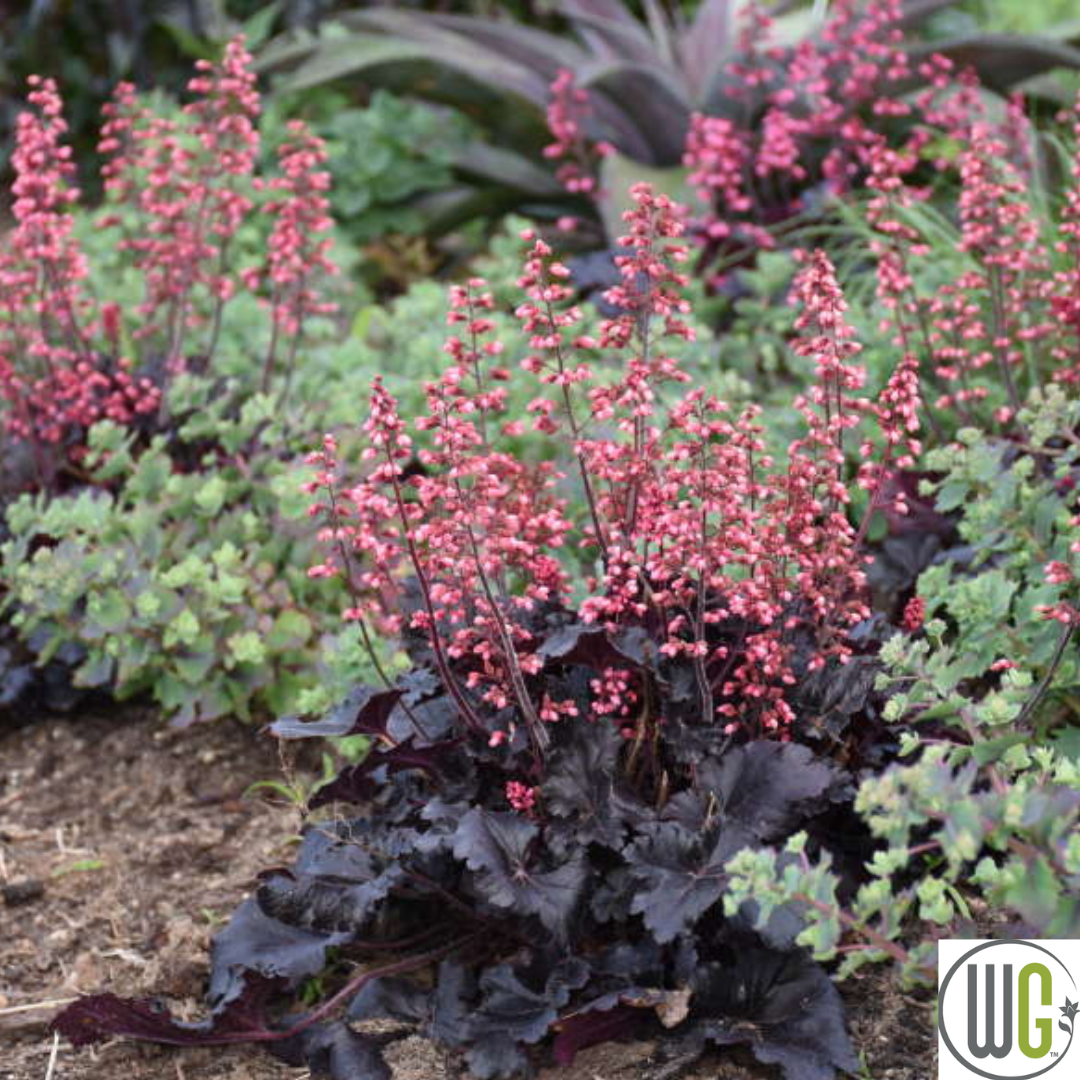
{"points": [[79, 866], [992, 749], [259, 27], [210, 497], [194, 668], [109, 609], [1035, 891], [291, 629], [247, 648], [183, 630], [1067, 743]]}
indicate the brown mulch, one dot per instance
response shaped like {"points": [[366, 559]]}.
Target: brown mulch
{"points": [[124, 845]]}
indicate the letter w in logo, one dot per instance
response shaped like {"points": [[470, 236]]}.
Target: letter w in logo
{"points": [[991, 1046]]}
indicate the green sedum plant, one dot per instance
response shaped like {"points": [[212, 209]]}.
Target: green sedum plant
{"points": [[386, 155], [190, 586]]}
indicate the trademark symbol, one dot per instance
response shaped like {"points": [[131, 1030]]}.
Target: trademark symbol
{"points": [[1053, 1053]]}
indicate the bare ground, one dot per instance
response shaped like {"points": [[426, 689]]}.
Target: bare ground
{"points": [[123, 846]]}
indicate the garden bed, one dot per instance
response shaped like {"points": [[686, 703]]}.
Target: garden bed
{"points": [[658, 562], [141, 840]]}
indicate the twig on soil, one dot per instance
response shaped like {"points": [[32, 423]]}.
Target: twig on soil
{"points": [[11, 1010], [52, 1056], [14, 797], [676, 1068]]}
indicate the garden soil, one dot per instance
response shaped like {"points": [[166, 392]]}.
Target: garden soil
{"points": [[123, 845]]}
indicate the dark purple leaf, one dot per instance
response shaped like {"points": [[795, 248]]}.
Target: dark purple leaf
{"points": [[255, 943], [331, 849], [326, 905], [592, 1025], [610, 899], [392, 998], [832, 695], [921, 515], [782, 1004], [897, 563], [437, 718], [443, 1012], [504, 167], [497, 1057], [452, 1003], [364, 712], [658, 100], [386, 37], [15, 679], [706, 45], [354, 784], [500, 54], [334, 1050], [762, 789], [1003, 60], [593, 647], [610, 30], [511, 1012], [680, 875], [101, 1016], [496, 845], [579, 785], [342, 872], [419, 683], [537, 49], [765, 788]]}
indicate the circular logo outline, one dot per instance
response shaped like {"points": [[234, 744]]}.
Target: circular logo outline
{"points": [[941, 1011]]}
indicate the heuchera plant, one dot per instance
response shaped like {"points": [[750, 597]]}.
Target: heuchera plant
{"points": [[994, 317], [51, 378], [180, 190], [786, 128], [557, 785]]}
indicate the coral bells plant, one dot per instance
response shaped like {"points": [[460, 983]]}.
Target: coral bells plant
{"points": [[788, 128], [984, 313], [722, 557], [189, 187], [54, 382], [180, 191], [556, 786]]}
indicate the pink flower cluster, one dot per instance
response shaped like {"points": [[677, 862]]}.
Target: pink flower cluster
{"points": [[53, 380], [521, 797], [1009, 311], [695, 530], [798, 115], [298, 250], [187, 180], [577, 155]]}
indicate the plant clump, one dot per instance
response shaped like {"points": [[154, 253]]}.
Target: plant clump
{"points": [[555, 790]]}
